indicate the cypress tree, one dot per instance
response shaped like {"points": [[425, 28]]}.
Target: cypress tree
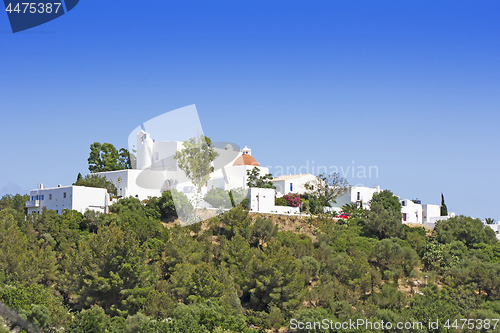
{"points": [[444, 209]]}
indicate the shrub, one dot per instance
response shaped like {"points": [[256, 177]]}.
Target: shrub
{"points": [[280, 202], [217, 197], [292, 199]]}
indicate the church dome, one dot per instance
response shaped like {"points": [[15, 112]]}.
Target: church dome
{"points": [[246, 159]]}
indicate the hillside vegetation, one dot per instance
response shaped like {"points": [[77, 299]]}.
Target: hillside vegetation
{"points": [[126, 272]]}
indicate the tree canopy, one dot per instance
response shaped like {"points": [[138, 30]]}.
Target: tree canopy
{"points": [[105, 157], [92, 180], [255, 179], [444, 209], [137, 270], [195, 159], [388, 200]]}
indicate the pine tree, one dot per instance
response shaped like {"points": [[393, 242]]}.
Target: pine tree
{"points": [[444, 209]]}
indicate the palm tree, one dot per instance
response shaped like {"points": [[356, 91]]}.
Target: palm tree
{"points": [[489, 220]]}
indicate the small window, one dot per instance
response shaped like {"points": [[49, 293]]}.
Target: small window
{"points": [[64, 195], [404, 217], [403, 203], [291, 187], [50, 196], [32, 198], [43, 197], [359, 196]]}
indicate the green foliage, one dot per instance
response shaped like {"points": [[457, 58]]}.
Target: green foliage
{"points": [[416, 238], [280, 202], [126, 272], [389, 202], [262, 231], [183, 206], [195, 159], [92, 320], [489, 220], [97, 181], [237, 195], [383, 222], [16, 202], [394, 260], [105, 157], [310, 268], [245, 203], [444, 209], [35, 303], [254, 179], [323, 191], [236, 222], [38, 315], [3, 326], [466, 229], [217, 197]]}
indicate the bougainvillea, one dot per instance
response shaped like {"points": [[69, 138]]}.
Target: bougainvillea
{"points": [[293, 199]]}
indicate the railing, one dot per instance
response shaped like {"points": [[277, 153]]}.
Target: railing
{"points": [[32, 203]]}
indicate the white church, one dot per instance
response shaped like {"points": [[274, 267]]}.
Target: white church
{"points": [[156, 170]]}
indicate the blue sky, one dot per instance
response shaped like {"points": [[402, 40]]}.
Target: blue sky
{"points": [[410, 87]]}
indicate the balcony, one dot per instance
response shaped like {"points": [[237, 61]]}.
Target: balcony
{"points": [[33, 204]]}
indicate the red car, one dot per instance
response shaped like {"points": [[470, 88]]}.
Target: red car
{"points": [[343, 216]]}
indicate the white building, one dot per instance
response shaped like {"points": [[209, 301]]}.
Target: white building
{"points": [[432, 213], [411, 211], [495, 227], [234, 175], [292, 183], [356, 194], [79, 198], [157, 170], [262, 201]]}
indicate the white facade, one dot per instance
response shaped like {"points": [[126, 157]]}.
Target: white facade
{"points": [[79, 198], [157, 170], [356, 194], [233, 176], [262, 201], [127, 185], [432, 213], [495, 227], [292, 183], [426, 214], [411, 212]]}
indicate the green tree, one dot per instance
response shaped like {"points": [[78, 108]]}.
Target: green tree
{"points": [[97, 181], [254, 179], [465, 229], [382, 222], [489, 220], [444, 209], [324, 190], [217, 197], [16, 202], [92, 320], [105, 157], [388, 200], [195, 160]]}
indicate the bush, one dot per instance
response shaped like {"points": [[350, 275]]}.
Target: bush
{"points": [[217, 197], [245, 203], [93, 180], [292, 199], [280, 202], [183, 206], [466, 229]]}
